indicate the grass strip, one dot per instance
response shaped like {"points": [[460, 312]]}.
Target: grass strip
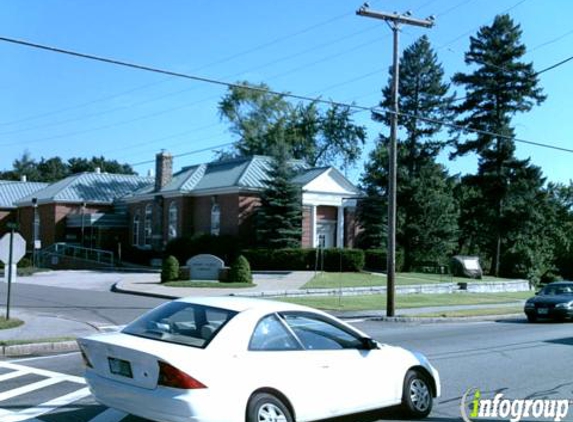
{"points": [[9, 323], [378, 302], [328, 280], [208, 284], [34, 341]]}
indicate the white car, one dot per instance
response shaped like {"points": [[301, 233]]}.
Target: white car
{"points": [[230, 359]]}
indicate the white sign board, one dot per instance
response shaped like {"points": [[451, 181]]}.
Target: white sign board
{"points": [[205, 267], [18, 248]]}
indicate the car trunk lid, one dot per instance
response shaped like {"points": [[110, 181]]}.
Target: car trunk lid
{"points": [[127, 358]]}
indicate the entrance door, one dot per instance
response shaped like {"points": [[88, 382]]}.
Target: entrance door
{"points": [[325, 232]]}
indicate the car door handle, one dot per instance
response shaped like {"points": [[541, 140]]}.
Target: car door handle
{"points": [[325, 366]]}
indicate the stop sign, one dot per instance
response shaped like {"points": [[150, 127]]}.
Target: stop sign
{"points": [[18, 248]]}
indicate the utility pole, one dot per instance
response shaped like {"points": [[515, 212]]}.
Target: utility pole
{"points": [[394, 21]]}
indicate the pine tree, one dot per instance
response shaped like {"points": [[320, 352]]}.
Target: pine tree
{"points": [[500, 86], [426, 210], [279, 218]]}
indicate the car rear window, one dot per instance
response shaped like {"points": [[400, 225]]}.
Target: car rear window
{"points": [[182, 323]]}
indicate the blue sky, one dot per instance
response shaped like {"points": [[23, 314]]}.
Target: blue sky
{"points": [[55, 105]]}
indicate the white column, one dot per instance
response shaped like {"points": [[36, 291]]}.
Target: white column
{"points": [[313, 239], [340, 228]]}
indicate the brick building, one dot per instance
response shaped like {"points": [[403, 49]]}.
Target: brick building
{"points": [[103, 211], [221, 198]]}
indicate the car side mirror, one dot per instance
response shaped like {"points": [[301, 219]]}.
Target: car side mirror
{"points": [[368, 343]]}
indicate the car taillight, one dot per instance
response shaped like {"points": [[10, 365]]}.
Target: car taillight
{"points": [[170, 376], [85, 358]]}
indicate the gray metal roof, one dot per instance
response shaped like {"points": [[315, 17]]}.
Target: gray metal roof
{"points": [[12, 192], [308, 175], [92, 188]]}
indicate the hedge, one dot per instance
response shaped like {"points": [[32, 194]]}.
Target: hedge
{"points": [[225, 247], [377, 259], [305, 259]]}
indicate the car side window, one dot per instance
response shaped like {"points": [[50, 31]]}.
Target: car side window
{"points": [[271, 335], [318, 334]]}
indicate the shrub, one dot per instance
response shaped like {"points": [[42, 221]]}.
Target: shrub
{"points": [[377, 259], [343, 260], [225, 247], [305, 259], [135, 255], [240, 271], [170, 269], [25, 263]]}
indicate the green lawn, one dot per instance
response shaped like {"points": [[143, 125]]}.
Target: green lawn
{"points": [[378, 302], [9, 323], [208, 284], [34, 341], [337, 280]]}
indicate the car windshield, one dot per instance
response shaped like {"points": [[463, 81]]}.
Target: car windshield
{"points": [[558, 290], [182, 323]]}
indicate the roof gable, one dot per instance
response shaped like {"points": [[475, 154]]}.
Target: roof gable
{"points": [[329, 181]]}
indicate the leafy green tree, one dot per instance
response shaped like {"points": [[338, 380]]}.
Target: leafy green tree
{"points": [[52, 169], [261, 119], [26, 166], [426, 209], [279, 218], [500, 86]]}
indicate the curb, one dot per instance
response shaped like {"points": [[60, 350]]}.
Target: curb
{"points": [[433, 320], [116, 289], [32, 349]]}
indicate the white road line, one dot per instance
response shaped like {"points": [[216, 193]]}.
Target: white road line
{"points": [[29, 414], [110, 415], [43, 357], [13, 374], [28, 388], [43, 372]]}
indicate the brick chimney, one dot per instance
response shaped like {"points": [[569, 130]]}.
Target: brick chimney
{"points": [[163, 169]]}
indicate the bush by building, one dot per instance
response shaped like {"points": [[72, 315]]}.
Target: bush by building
{"points": [[170, 269], [240, 271]]}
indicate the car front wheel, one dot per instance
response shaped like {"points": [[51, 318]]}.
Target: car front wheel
{"points": [[417, 395], [264, 407]]}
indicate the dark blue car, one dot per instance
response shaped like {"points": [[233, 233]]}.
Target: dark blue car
{"points": [[554, 301]]}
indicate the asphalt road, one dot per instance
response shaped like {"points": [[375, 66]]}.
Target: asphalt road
{"points": [[518, 359], [89, 301]]}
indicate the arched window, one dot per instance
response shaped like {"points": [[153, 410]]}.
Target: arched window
{"points": [[172, 221], [147, 228], [215, 219], [135, 229]]}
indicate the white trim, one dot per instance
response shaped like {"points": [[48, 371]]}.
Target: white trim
{"points": [[313, 237], [340, 227]]}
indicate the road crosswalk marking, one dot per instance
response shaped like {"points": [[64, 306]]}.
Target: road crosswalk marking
{"points": [[50, 378]]}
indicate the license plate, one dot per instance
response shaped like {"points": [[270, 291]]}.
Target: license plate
{"points": [[542, 311], [120, 367]]}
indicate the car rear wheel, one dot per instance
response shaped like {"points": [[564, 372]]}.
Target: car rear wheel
{"points": [[417, 395], [531, 318], [264, 407]]}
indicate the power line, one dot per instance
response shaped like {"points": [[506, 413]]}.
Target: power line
{"points": [[269, 91], [197, 151]]}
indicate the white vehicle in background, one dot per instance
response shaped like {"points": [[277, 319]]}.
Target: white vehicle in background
{"points": [[228, 359]]}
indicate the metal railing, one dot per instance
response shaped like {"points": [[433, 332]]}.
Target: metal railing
{"points": [[100, 256]]}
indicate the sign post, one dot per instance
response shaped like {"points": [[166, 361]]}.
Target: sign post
{"points": [[12, 250]]}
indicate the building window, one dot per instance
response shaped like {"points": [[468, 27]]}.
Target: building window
{"points": [[135, 229], [172, 221], [147, 225], [215, 219]]}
